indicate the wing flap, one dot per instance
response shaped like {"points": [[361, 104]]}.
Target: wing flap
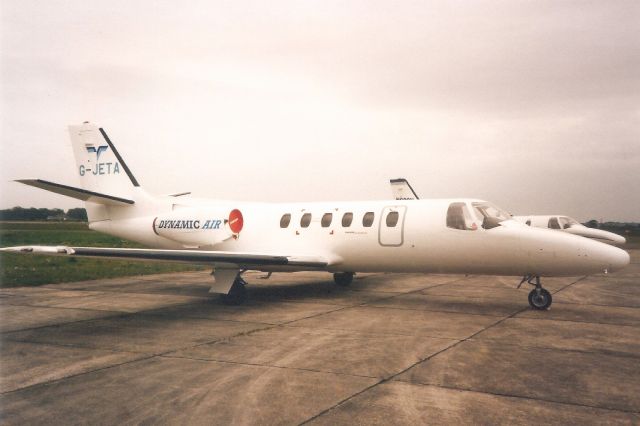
{"points": [[242, 260]]}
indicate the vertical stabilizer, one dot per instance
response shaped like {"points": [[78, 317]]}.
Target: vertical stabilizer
{"points": [[401, 190], [100, 167]]}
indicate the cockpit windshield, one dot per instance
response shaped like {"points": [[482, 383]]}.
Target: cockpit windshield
{"points": [[567, 222], [490, 214]]}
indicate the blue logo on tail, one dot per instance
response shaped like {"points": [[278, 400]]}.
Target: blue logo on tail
{"points": [[99, 168], [98, 150]]}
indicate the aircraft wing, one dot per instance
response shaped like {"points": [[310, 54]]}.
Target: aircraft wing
{"points": [[240, 260]]}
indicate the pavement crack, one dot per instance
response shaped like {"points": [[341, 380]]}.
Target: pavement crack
{"points": [[569, 285], [392, 377], [70, 376], [282, 367], [524, 397]]}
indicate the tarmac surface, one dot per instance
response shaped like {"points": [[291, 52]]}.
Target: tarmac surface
{"points": [[391, 348]]}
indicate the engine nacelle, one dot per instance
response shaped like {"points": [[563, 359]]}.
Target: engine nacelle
{"points": [[199, 228]]}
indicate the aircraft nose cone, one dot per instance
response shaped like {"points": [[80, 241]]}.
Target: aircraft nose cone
{"points": [[557, 253], [620, 259], [614, 258]]}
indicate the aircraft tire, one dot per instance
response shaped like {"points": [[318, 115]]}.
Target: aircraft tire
{"points": [[540, 300], [343, 279], [237, 295]]}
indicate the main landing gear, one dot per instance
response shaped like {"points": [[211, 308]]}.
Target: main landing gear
{"points": [[539, 298], [237, 295], [343, 279]]}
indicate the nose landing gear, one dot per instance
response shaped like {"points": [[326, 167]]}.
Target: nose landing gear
{"points": [[539, 298]]}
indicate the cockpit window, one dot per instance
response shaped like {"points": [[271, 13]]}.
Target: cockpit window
{"points": [[458, 217], [553, 223], [567, 222], [490, 214]]}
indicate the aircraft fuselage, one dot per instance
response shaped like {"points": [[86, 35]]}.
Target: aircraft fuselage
{"points": [[416, 239]]}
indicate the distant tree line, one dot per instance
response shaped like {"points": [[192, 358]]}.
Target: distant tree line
{"points": [[21, 213], [622, 228], [592, 224]]}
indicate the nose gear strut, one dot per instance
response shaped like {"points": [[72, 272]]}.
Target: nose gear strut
{"points": [[539, 298]]}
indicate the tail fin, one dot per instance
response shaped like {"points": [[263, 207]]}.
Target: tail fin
{"points": [[107, 185], [101, 169], [402, 190]]}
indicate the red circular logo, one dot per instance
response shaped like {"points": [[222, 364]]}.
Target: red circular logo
{"points": [[235, 221]]}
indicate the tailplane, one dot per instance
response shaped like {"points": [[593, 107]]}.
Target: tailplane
{"points": [[77, 193], [107, 185]]}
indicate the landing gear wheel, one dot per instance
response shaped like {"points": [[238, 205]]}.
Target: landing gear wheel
{"points": [[540, 299], [237, 295], [343, 279]]}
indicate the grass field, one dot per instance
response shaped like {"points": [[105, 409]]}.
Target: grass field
{"points": [[31, 270]]}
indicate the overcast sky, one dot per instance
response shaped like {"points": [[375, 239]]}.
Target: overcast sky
{"points": [[534, 105]]}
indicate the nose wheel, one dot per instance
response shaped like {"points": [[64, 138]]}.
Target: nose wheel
{"points": [[539, 298]]}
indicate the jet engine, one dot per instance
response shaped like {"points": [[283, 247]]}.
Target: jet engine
{"points": [[199, 228]]}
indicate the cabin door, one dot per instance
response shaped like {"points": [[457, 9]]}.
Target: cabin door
{"points": [[391, 229]]}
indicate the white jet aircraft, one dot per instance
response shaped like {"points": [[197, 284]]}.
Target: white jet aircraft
{"points": [[572, 226], [459, 236]]}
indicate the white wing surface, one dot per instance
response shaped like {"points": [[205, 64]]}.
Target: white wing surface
{"points": [[240, 260]]}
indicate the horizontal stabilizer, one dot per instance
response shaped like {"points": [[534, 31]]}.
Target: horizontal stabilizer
{"points": [[242, 260], [78, 193]]}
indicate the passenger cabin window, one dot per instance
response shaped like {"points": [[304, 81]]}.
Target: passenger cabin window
{"points": [[305, 220], [367, 219], [326, 220], [285, 220], [392, 219], [458, 217], [553, 223], [347, 218]]}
